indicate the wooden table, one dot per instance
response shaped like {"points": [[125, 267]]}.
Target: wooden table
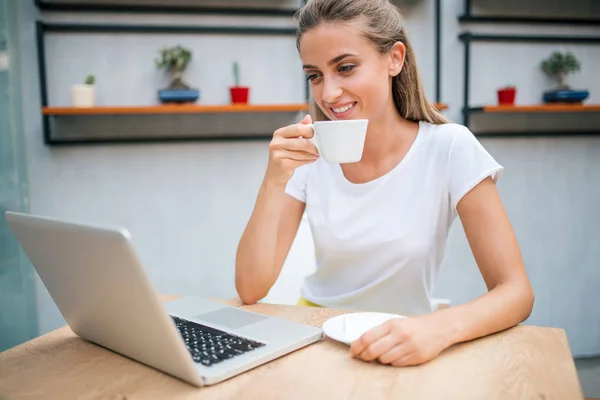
{"points": [[521, 363]]}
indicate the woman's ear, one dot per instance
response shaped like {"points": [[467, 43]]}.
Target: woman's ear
{"points": [[397, 55]]}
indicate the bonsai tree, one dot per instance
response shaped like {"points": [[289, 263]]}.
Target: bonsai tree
{"points": [[175, 60], [559, 65]]}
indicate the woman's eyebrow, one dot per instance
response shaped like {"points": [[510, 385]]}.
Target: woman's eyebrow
{"points": [[332, 61]]}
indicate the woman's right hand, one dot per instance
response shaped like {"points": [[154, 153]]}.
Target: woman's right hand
{"points": [[290, 149]]}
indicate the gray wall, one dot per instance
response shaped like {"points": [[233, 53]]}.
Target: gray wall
{"points": [[187, 204]]}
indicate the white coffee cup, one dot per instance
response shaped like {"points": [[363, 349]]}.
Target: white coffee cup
{"points": [[340, 141]]}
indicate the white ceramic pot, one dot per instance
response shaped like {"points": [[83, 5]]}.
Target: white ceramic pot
{"points": [[82, 95]]}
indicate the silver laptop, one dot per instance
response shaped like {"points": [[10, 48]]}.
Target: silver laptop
{"points": [[104, 294]]}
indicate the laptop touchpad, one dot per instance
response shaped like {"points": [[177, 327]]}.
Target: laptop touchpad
{"points": [[231, 317]]}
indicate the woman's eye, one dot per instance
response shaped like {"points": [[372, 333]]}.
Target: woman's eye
{"points": [[312, 77], [346, 68]]}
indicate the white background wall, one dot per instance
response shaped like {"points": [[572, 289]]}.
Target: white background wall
{"points": [[187, 204]]}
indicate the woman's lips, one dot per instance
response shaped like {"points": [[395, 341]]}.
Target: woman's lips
{"points": [[341, 112]]}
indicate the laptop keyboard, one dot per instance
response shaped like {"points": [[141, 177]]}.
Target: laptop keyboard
{"points": [[210, 346]]}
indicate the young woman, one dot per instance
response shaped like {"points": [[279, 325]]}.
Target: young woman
{"points": [[380, 225]]}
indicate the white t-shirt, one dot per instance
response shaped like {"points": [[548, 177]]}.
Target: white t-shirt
{"points": [[379, 245]]}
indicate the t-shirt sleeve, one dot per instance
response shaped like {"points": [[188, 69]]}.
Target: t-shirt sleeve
{"points": [[469, 163], [296, 186]]}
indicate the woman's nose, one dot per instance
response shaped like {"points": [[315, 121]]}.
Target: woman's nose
{"points": [[331, 91]]}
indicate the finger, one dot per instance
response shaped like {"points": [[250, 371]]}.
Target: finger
{"points": [[297, 144], [395, 353], [294, 131], [405, 361], [306, 120], [370, 337], [379, 348], [295, 155]]}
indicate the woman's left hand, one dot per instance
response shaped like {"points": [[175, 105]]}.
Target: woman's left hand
{"points": [[402, 341]]}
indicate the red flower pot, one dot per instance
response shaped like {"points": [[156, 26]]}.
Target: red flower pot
{"points": [[239, 94], [507, 96]]}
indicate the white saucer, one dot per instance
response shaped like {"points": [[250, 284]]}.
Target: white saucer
{"points": [[347, 328]]}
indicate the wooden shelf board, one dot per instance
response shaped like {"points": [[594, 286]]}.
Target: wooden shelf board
{"points": [[173, 109], [542, 108], [441, 106]]}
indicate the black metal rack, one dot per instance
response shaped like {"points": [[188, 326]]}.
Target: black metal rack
{"points": [[44, 27], [468, 38]]}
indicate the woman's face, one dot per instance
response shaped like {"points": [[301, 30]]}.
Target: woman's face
{"points": [[349, 78]]}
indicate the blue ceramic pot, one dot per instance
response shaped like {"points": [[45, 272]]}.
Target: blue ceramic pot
{"points": [[178, 95], [565, 96]]}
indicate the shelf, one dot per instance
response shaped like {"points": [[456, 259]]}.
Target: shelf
{"points": [[126, 124], [167, 123], [538, 108], [468, 38], [173, 109], [534, 120], [440, 106], [499, 19]]}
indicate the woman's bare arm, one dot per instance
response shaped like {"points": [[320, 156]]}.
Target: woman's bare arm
{"points": [[266, 242]]}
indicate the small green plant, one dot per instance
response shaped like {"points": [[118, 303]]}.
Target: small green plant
{"points": [[90, 80], [559, 65], [174, 60], [236, 73]]}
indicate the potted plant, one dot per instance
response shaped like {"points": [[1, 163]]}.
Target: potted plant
{"points": [[175, 60], [83, 95], [507, 94], [558, 66], [239, 94]]}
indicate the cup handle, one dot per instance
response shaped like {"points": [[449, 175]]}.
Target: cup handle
{"points": [[313, 139]]}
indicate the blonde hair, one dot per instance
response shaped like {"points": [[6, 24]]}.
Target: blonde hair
{"points": [[383, 27]]}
